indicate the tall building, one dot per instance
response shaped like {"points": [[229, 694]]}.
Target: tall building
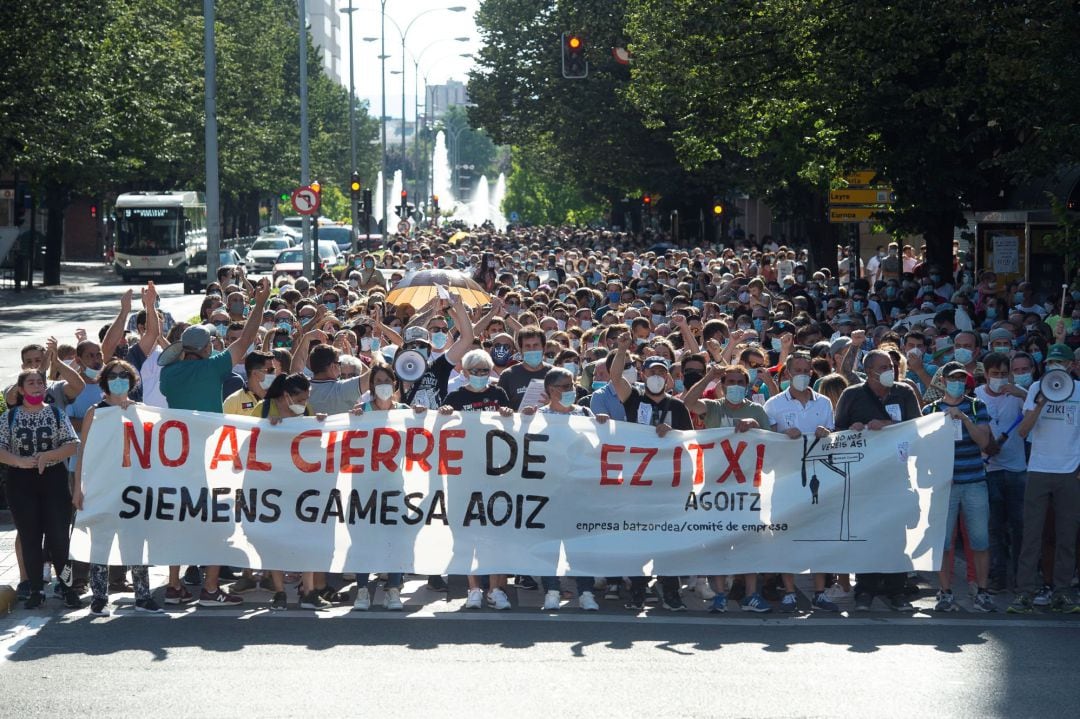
{"points": [[443, 97], [327, 32]]}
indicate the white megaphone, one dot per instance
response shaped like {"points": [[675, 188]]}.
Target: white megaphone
{"points": [[410, 365], [1056, 385]]}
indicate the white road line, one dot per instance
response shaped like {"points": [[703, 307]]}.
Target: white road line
{"points": [[12, 638]]}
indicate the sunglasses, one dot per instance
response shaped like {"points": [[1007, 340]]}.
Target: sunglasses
{"points": [[118, 375]]}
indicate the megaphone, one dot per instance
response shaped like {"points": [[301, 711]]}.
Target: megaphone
{"points": [[410, 365], [1056, 385]]}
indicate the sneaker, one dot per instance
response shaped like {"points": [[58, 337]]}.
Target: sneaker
{"points": [[719, 603], [946, 602], [756, 603], [551, 601], [362, 603], [178, 595], [35, 600], [218, 598], [587, 602], [72, 599], [1063, 603], [1043, 597], [279, 602], [437, 584], [99, 607], [863, 602], [243, 585], [148, 605], [790, 603], [1021, 604], [703, 589], [983, 602], [525, 582], [475, 599], [192, 576], [822, 602], [313, 600], [22, 590], [611, 594], [331, 595], [392, 600], [899, 604], [672, 602], [636, 601], [497, 599]]}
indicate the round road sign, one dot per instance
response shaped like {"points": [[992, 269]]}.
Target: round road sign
{"points": [[305, 200], [403, 227]]}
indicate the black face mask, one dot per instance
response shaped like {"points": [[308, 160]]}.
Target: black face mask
{"points": [[691, 378]]}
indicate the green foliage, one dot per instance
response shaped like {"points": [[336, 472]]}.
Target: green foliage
{"points": [[1066, 238], [542, 196], [475, 147]]}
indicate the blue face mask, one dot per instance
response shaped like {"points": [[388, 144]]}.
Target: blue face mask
{"points": [[753, 374], [680, 385], [284, 325], [222, 328], [890, 292], [501, 355], [955, 388], [533, 358], [784, 384], [91, 373], [438, 340], [698, 304], [991, 313], [614, 296], [1037, 356], [963, 355], [477, 382], [1023, 380], [598, 385], [857, 305], [735, 394], [1018, 298], [567, 398], [330, 306], [118, 386], [758, 324]]}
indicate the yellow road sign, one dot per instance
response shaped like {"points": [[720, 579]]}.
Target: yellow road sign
{"points": [[862, 177], [854, 214], [862, 197]]}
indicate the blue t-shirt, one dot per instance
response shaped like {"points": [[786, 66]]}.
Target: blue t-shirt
{"points": [[197, 384], [967, 461]]}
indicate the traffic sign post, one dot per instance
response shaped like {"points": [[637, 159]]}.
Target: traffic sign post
{"points": [[306, 200], [861, 177], [853, 214], [883, 196]]}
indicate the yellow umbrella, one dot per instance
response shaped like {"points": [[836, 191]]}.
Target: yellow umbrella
{"points": [[419, 288], [458, 237]]}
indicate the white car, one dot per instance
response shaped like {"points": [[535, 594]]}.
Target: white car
{"points": [[264, 253], [281, 231]]}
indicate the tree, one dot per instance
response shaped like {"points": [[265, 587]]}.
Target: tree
{"points": [[539, 195]]}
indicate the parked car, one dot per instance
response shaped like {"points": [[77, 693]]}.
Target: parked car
{"points": [[195, 278], [290, 263], [264, 253], [340, 235], [281, 231]]}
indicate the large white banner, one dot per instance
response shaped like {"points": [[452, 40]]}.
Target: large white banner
{"points": [[475, 493]]}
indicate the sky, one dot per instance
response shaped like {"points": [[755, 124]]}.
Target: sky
{"points": [[429, 36]]}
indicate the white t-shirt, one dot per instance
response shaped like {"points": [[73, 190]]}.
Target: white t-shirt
{"points": [[1004, 411], [786, 412], [1055, 439]]}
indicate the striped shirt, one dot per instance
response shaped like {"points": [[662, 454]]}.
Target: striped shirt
{"points": [[967, 461]]}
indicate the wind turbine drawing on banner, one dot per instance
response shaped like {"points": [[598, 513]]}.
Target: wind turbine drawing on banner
{"points": [[841, 465]]}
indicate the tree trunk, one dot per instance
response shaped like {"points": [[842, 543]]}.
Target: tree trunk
{"points": [[56, 198], [823, 237], [939, 239]]}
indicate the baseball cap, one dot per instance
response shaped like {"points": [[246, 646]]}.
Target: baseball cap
{"points": [[1059, 353], [839, 344], [194, 339], [417, 334], [998, 335], [654, 361], [951, 368]]}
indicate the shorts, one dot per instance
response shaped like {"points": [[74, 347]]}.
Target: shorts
{"points": [[974, 498]]}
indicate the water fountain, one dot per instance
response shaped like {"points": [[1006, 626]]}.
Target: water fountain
{"points": [[480, 207], [440, 173], [497, 197], [380, 190]]}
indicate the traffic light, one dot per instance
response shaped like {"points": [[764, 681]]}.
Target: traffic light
{"points": [[284, 196], [646, 202], [317, 187], [403, 208], [93, 211], [574, 65], [717, 207], [435, 203], [354, 186], [365, 205]]}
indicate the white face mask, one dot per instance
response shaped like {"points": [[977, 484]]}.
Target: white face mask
{"points": [[266, 381], [996, 384], [800, 382], [887, 378], [655, 383], [298, 408], [384, 391]]}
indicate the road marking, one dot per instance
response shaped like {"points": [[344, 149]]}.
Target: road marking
{"points": [[12, 638], [575, 617]]}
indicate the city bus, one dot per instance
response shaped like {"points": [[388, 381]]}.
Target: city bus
{"points": [[157, 233]]}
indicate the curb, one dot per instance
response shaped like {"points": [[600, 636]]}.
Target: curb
{"points": [[45, 290]]}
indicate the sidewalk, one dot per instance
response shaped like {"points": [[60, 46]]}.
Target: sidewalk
{"points": [[9, 568], [74, 277]]}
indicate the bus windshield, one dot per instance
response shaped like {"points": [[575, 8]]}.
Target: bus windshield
{"points": [[149, 231]]}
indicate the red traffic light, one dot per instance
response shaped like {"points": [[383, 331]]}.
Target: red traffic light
{"points": [[646, 200], [93, 212]]}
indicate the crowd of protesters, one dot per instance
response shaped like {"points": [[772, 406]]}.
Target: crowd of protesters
{"points": [[744, 335]]}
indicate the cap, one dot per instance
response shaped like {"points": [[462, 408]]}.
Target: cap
{"points": [[951, 368], [1000, 334], [417, 334], [1059, 353], [654, 361], [194, 339], [781, 326], [839, 344]]}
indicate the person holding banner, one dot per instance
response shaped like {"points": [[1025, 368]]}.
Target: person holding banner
{"points": [[35, 441], [479, 395], [874, 404], [656, 407], [383, 381], [116, 380], [738, 411], [799, 411], [559, 388]]}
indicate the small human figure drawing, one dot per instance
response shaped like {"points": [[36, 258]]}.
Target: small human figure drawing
{"points": [[815, 484]]}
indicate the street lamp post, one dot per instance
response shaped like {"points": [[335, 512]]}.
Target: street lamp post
{"points": [[352, 120], [416, 110]]}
